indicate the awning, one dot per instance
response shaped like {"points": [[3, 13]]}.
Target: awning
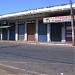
{"points": [[1, 27]]}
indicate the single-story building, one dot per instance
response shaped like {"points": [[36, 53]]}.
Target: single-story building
{"points": [[50, 24]]}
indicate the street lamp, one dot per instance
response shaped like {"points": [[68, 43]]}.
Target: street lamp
{"points": [[72, 23]]}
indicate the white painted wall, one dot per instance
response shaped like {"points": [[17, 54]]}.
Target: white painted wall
{"points": [[63, 36], [36, 33], [48, 33], [16, 31], [25, 31]]}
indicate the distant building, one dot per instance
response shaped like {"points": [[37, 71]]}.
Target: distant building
{"points": [[50, 24]]}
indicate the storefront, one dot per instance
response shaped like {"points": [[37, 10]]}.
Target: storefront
{"points": [[4, 34], [60, 28], [56, 32], [4, 29], [41, 25], [68, 32], [42, 32], [30, 31], [21, 30], [11, 31]]}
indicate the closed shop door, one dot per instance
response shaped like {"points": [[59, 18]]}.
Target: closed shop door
{"points": [[21, 31], [31, 32], [42, 32], [4, 34], [12, 33], [68, 32], [56, 32]]}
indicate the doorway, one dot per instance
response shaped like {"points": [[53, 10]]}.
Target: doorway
{"points": [[56, 32], [31, 31]]}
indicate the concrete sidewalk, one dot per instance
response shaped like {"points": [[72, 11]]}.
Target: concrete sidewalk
{"points": [[41, 43]]}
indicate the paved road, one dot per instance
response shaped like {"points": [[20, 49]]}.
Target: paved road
{"points": [[38, 60]]}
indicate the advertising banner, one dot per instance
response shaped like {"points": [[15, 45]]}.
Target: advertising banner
{"points": [[57, 19]]}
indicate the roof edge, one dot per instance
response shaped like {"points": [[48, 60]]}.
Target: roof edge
{"points": [[40, 10]]}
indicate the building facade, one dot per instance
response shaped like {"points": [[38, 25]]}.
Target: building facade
{"points": [[51, 24]]}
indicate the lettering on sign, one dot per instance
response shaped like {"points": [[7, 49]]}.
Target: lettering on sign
{"points": [[57, 19]]}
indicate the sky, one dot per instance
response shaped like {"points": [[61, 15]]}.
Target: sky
{"points": [[12, 6]]}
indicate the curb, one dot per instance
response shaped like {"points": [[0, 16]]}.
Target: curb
{"points": [[41, 43]]}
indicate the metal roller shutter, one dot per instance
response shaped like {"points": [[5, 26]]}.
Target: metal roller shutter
{"points": [[4, 34], [42, 32], [31, 32], [12, 33], [56, 32], [69, 32], [21, 31]]}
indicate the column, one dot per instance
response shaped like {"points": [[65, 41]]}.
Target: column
{"points": [[25, 32], [63, 36], [48, 33], [8, 33], [1, 34], [36, 33], [16, 31]]}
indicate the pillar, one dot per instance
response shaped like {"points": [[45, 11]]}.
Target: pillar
{"points": [[63, 36], [48, 33], [16, 31], [25, 39], [36, 33], [1, 34], [8, 33]]}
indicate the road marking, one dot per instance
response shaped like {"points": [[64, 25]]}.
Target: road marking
{"points": [[23, 70]]}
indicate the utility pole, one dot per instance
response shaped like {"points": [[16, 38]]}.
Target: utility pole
{"points": [[72, 23]]}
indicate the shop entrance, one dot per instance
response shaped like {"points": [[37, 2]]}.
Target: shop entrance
{"points": [[31, 31], [56, 32], [21, 31], [42, 32], [12, 33], [4, 34]]}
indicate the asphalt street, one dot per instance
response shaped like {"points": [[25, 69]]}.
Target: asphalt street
{"points": [[38, 59]]}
